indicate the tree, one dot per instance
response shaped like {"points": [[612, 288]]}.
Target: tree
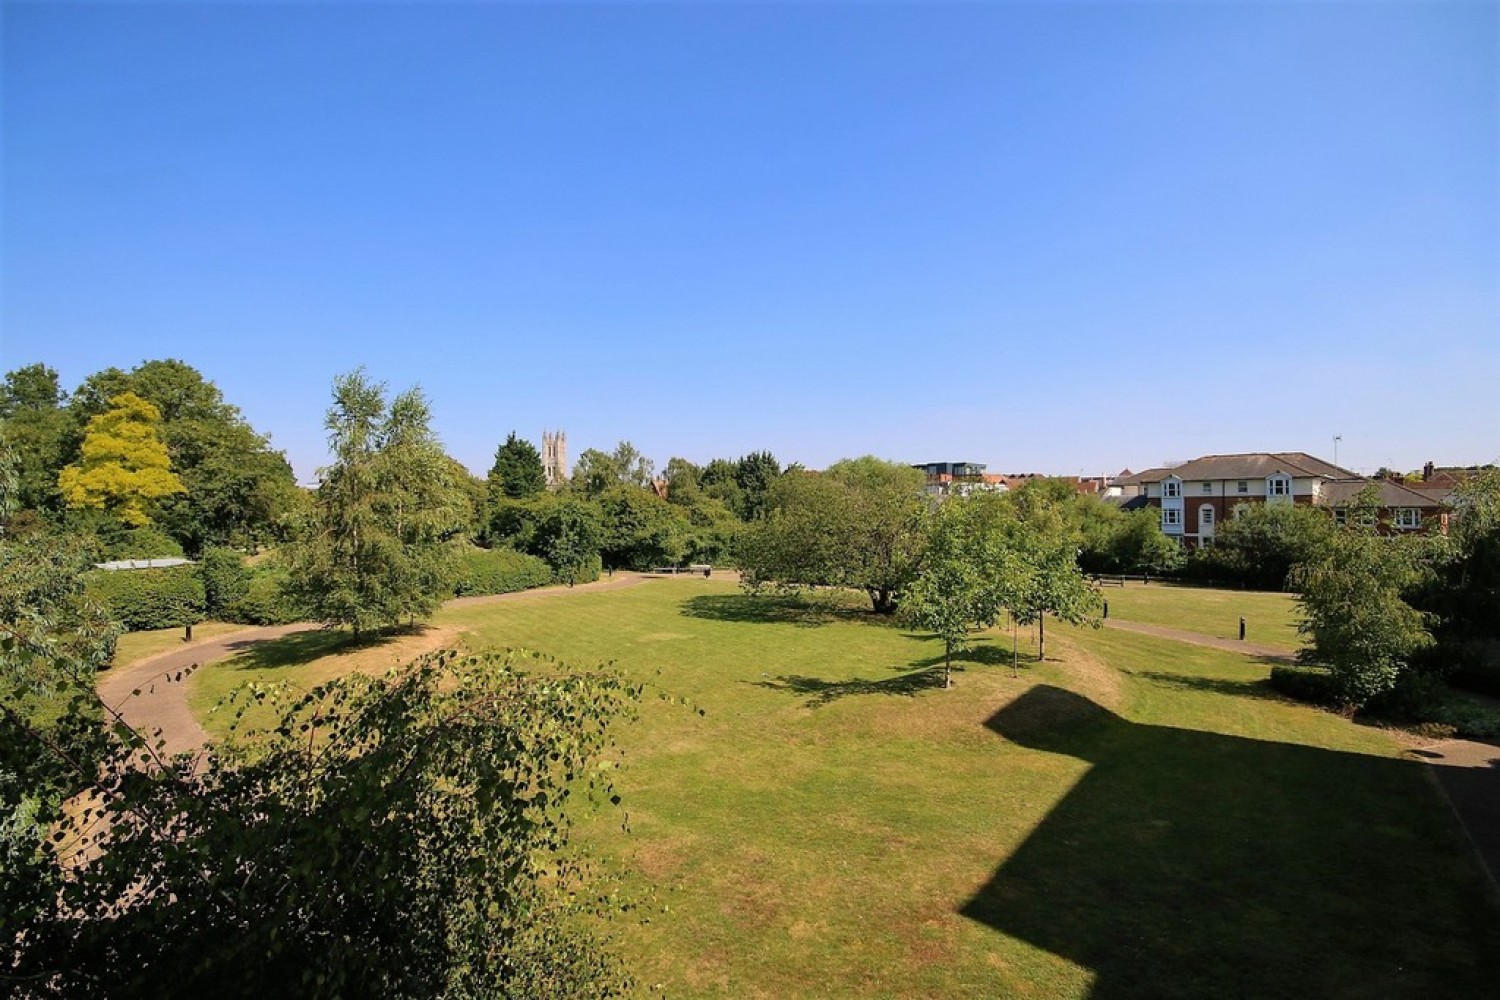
{"points": [[38, 430], [857, 525], [597, 471], [682, 481], [1137, 544], [568, 534], [1047, 579], [377, 551], [961, 585], [124, 468], [396, 836], [517, 472], [641, 530], [1354, 610], [754, 474], [1262, 542]]}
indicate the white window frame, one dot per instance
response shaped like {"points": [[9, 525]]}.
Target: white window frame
{"points": [[1171, 516], [1171, 489], [1278, 486], [1242, 486], [1341, 516], [1407, 518], [1208, 489]]}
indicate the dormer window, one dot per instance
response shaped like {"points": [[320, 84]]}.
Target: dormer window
{"points": [[1171, 488], [1278, 485]]}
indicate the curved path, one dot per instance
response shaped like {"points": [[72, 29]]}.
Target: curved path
{"points": [[1199, 639], [150, 696]]}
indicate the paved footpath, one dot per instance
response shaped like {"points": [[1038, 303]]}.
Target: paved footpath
{"points": [[150, 694], [1199, 639]]}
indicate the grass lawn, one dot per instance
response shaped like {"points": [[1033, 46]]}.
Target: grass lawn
{"points": [[1270, 618], [1134, 817], [136, 646]]}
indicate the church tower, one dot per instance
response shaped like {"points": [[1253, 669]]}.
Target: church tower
{"points": [[555, 458]]}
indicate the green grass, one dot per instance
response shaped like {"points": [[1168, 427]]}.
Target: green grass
{"points": [[1270, 618], [136, 646], [1134, 817]]}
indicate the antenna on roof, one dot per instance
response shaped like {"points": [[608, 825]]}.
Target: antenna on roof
{"points": [[1336, 439]]}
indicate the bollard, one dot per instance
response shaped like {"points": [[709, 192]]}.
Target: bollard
{"points": [[1106, 609], [188, 635], [1242, 630]]}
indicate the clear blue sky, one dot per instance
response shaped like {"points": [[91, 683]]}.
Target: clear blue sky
{"points": [[1056, 237]]}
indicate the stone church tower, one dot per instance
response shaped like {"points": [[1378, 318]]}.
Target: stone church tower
{"points": [[555, 458]]}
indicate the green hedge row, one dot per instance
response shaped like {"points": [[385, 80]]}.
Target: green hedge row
{"points": [[499, 571], [149, 598], [265, 601]]}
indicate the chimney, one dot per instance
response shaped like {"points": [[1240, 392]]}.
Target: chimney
{"points": [[1427, 471]]}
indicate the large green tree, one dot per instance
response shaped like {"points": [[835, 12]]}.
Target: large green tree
{"points": [[38, 429], [1353, 598], [641, 530], [517, 472], [856, 525], [378, 548]]}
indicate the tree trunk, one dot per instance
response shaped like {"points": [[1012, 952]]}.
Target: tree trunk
{"points": [[883, 601], [947, 666], [1014, 655], [1041, 637]]}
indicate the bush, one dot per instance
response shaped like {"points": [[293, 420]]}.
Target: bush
{"points": [[149, 598], [225, 580], [144, 543], [499, 571], [1310, 684], [587, 572], [266, 601]]}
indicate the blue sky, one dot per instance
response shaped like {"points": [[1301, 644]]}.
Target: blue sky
{"points": [[1056, 237]]}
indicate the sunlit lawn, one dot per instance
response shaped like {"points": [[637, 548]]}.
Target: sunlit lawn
{"points": [[1135, 817], [136, 646], [1270, 618]]}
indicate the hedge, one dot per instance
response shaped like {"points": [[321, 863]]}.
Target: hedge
{"points": [[149, 598], [499, 571], [1310, 684]]}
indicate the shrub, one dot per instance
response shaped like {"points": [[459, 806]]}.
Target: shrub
{"points": [[587, 572], [1310, 684], [144, 543], [266, 600], [499, 571], [149, 598], [225, 579]]}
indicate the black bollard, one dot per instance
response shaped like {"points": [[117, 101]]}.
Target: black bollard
{"points": [[1106, 609], [188, 635], [1242, 630]]}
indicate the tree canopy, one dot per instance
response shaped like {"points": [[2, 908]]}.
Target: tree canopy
{"points": [[517, 472], [124, 468]]}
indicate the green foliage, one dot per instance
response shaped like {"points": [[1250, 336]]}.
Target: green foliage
{"points": [[961, 586], [499, 571], [378, 550], [1355, 614], [568, 534], [517, 472], [1262, 542], [1137, 545], [149, 598], [140, 543], [857, 525], [755, 474], [124, 467], [268, 599], [38, 429], [641, 530], [405, 836], [226, 580], [597, 471], [1046, 579]]}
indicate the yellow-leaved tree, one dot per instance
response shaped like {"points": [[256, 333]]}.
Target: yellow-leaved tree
{"points": [[123, 468]]}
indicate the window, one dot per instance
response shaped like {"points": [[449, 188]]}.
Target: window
{"points": [[1242, 487], [1206, 541], [1408, 517], [1208, 489], [1205, 515], [1278, 486], [1171, 488], [1171, 517], [1341, 516]]}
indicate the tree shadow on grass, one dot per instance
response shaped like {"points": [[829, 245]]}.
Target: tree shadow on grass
{"points": [[1188, 864], [299, 648], [821, 691], [767, 609]]}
